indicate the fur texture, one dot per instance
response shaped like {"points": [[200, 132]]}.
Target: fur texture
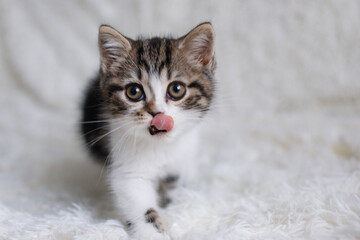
{"points": [[282, 150], [139, 82]]}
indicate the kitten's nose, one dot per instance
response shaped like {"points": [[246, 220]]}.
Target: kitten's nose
{"points": [[153, 113]]}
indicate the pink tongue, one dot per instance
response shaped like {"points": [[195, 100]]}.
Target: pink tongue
{"points": [[162, 122]]}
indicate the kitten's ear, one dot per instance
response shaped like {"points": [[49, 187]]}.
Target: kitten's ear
{"points": [[198, 45], [113, 46]]}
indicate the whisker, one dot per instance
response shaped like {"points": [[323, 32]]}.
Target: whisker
{"points": [[106, 134], [96, 129], [134, 142], [120, 143], [101, 127], [97, 121], [116, 148]]}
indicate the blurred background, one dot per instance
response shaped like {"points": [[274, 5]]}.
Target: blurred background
{"points": [[288, 108]]}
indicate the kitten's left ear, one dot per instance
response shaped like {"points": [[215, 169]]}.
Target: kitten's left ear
{"points": [[198, 45], [113, 46]]}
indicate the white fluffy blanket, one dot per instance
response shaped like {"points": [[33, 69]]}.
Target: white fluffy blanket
{"points": [[280, 154]]}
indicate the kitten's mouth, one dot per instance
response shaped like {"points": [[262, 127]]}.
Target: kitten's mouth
{"points": [[153, 130], [161, 123]]}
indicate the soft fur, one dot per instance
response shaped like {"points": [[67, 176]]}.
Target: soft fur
{"points": [[141, 157], [280, 155]]}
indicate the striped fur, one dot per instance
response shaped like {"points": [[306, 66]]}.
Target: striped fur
{"points": [[139, 79], [124, 60]]}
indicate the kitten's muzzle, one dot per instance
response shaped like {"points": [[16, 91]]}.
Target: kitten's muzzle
{"points": [[161, 123]]}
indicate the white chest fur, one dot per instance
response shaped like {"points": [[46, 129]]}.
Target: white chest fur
{"points": [[153, 159]]}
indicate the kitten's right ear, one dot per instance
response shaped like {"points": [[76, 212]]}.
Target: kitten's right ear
{"points": [[113, 46]]}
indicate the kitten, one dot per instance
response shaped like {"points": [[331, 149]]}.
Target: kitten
{"points": [[141, 115]]}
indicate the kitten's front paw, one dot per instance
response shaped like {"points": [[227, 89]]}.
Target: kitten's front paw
{"points": [[153, 228], [153, 217]]}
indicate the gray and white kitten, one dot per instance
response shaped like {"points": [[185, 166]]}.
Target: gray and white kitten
{"points": [[141, 115]]}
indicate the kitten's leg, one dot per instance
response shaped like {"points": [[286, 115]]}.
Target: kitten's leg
{"points": [[137, 200], [165, 185]]}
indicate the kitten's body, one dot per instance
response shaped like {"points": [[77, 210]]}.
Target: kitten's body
{"points": [[142, 113]]}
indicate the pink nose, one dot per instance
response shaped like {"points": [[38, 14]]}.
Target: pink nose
{"points": [[162, 122]]}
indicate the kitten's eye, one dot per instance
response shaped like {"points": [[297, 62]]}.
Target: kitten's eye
{"points": [[134, 92], [176, 90]]}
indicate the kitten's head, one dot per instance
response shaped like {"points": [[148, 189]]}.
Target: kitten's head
{"points": [[160, 87]]}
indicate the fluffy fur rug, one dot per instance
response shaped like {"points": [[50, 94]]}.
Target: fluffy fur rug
{"points": [[280, 155]]}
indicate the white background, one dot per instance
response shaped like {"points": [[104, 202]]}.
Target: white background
{"points": [[281, 149]]}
